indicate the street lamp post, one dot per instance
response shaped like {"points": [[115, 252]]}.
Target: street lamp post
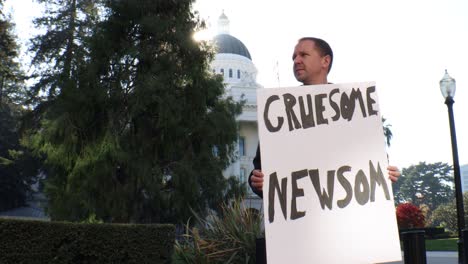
{"points": [[447, 87]]}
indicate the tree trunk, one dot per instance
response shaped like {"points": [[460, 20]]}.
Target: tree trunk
{"points": [[1, 88]]}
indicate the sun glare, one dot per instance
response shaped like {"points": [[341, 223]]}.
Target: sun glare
{"points": [[203, 35]]}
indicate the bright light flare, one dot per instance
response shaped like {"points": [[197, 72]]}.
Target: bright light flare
{"points": [[203, 35]]}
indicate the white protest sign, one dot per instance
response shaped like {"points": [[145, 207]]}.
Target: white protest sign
{"points": [[327, 197]]}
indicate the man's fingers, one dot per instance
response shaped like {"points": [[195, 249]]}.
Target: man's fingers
{"points": [[257, 184], [393, 173], [257, 179], [258, 173]]}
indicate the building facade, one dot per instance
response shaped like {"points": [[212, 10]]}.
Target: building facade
{"points": [[464, 177], [234, 62]]}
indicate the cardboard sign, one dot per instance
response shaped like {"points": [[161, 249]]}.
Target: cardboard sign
{"points": [[327, 197]]}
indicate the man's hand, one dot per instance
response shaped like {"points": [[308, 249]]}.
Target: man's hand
{"points": [[257, 180], [393, 173]]}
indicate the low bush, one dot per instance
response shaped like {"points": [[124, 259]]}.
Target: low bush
{"points": [[23, 241], [225, 238], [409, 216]]}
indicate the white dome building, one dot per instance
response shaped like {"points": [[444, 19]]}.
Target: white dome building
{"points": [[233, 61]]}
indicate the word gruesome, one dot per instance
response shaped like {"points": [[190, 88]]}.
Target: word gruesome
{"points": [[311, 114]]}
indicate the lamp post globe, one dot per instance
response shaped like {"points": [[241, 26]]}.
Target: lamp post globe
{"points": [[447, 87]]}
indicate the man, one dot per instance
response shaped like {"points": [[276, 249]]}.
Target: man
{"points": [[313, 60]]}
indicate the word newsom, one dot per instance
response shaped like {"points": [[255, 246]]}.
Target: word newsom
{"points": [[363, 191]]}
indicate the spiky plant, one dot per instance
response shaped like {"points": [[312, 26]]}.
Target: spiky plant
{"points": [[225, 238]]}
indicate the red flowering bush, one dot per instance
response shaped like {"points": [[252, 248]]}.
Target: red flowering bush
{"points": [[409, 216]]}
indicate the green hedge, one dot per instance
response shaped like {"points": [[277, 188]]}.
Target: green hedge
{"points": [[23, 241]]}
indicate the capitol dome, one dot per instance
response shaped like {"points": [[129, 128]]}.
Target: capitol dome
{"points": [[232, 59], [226, 43]]}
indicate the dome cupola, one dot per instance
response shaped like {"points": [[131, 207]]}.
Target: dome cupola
{"points": [[227, 44], [223, 24], [232, 60]]}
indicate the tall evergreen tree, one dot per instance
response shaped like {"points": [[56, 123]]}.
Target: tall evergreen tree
{"points": [[58, 55], [17, 169], [62, 48], [132, 134], [12, 88], [13, 189]]}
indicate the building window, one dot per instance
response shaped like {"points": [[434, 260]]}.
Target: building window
{"points": [[214, 71], [222, 72], [242, 176], [230, 73], [238, 74], [241, 146]]}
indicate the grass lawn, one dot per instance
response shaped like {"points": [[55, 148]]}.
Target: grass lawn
{"points": [[446, 244]]}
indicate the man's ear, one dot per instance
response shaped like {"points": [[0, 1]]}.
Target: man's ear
{"points": [[326, 61]]}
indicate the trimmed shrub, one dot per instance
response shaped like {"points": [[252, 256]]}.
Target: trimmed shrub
{"points": [[409, 216], [23, 241]]}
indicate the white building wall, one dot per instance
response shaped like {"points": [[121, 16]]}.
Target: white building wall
{"points": [[248, 71], [248, 131], [243, 87], [243, 165]]}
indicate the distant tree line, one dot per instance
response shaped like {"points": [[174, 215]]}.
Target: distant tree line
{"points": [[429, 184], [430, 187]]}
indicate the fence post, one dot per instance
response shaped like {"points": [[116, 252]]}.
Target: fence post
{"points": [[465, 246], [414, 247], [260, 251]]}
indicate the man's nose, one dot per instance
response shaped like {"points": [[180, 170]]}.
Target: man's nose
{"points": [[297, 60]]}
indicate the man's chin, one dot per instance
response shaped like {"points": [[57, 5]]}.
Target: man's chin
{"points": [[300, 78]]}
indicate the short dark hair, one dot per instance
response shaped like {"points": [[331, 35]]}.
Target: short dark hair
{"points": [[322, 47]]}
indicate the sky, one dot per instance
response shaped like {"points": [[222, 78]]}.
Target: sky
{"points": [[405, 46]]}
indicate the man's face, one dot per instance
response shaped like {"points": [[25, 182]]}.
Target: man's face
{"points": [[309, 65]]}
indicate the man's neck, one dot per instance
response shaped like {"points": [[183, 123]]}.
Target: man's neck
{"points": [[317, 81]]}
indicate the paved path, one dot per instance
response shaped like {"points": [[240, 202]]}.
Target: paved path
{"points": [[440, 257], [437, 257]]}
